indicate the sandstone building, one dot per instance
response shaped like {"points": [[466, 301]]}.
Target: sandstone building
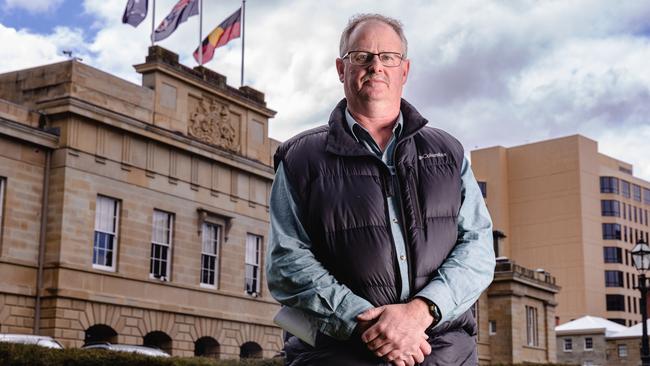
{"points": [[516, 316], [136, 214], [574, 212]]}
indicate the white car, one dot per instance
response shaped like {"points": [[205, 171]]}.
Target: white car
{"points": [[143, 350], [43, 341]]}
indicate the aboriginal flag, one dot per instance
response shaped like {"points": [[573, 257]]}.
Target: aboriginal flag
{"points": [[222, 34], [181, 11]]}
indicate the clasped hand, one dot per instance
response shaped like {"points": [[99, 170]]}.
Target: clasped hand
{"points": [[397, 332]]}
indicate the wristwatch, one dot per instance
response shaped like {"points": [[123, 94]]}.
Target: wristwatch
{"points": [[433, 310]]}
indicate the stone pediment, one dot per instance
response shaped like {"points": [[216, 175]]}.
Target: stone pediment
{"points": [[210, 122]]}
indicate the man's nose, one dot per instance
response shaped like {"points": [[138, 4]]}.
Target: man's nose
{"points": [[375, 64]]}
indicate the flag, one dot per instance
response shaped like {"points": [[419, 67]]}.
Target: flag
{"points": [[181, 11], [222, 34], [135, 12]]}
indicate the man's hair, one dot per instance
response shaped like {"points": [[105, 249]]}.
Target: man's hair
{"points": [[360, 18]]}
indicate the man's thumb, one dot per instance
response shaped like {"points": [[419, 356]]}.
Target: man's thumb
{"points": [[370, 314]]}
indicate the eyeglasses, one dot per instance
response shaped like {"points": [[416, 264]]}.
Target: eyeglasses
{"points": [[363, 58]]}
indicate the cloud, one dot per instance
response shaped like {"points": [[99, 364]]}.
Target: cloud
{"points": [[489, 72], [32, 6], [22, 49]]}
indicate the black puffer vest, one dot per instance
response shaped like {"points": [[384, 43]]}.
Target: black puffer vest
{"points": [[341, 190]]}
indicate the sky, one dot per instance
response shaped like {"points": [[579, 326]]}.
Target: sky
{"points": [[489, 72]]}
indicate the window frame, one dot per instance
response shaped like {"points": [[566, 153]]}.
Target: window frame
{"points": [[590, 347], [216, 255], [610, 281], [614, 233], [257, 274], [626, 189], [117, 205], [169, 246], [623, 348], [606, 185], [610, 208], [492, 327], [532, 331], [567, 342], [617, 258]]}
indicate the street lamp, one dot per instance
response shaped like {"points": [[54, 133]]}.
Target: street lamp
{"points": [[641, 259]]}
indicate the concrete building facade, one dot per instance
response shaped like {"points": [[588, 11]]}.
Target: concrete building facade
{"points": [[136, 214], [574, 212]]}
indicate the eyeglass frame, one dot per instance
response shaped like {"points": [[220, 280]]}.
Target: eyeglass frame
{"points": [[401, 58]]}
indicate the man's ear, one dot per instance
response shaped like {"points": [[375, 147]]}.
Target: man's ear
{"points": [[406, 66], [340, 68]]}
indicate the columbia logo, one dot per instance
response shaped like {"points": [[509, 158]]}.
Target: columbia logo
{"points": [[432, 155]]}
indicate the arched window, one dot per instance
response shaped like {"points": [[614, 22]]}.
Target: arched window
{"points": [[206, 347], [100, 333], [250, 350], [158, 339]]}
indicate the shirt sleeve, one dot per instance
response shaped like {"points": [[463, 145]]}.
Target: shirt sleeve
{"points": [[469, 268], [296, 278]]}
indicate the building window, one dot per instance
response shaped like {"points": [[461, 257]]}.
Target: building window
{"points": [[253, 250], [612, 231], [610, 208], [627, 280], [612, 255], [622, 350], [568, 344], [624, 211], [608, 185], [531, 326], [615, 303], [105, 242], [161, 245], [625, 189], [617, 320], [635, 215], [211, 234], [483, 187], [646, 196], [634, 303], [492, 327], [636, 192], [613, 279]]}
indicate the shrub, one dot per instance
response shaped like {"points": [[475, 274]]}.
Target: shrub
{"points": [[31, 355]]}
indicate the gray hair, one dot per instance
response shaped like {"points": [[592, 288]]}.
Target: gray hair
{"points": [[360, 18]]}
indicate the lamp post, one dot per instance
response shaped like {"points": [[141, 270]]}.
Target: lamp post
{"points": [[641, 259]]}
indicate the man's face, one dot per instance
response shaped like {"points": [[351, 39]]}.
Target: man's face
{"points": [[373, 82]]}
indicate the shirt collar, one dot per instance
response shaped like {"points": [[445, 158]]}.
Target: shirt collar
{"points": [[397, 128]]}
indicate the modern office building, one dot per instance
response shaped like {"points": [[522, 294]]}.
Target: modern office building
{"points": [[567, 209], [136, 214]]}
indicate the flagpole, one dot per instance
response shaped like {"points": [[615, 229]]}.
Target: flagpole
{"points": [[200, 32], [153, 21], [243, 38]]}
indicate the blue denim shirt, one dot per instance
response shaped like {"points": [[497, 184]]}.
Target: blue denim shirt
{"points": [[297, 279]]}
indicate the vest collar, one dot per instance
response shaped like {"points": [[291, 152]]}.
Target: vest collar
{"points": [[341, 142]]}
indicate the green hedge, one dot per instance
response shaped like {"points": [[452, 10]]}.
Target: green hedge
{"points": [[30, 355]]}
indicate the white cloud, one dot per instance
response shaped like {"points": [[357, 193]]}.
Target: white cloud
{"points": [[32, 6], [489, 72], [22, 49]]}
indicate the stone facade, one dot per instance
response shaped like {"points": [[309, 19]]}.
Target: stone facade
{"points": [[521, 309], [580, 353], [186, 144]]}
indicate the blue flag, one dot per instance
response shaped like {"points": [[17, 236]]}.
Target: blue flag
{"points": [[181, 11], [135, 12]]}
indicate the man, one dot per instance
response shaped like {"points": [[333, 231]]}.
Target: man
{"points": [[380, 238]]}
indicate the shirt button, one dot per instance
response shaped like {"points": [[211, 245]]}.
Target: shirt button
{"points": [[395, 221], [402, 257]]}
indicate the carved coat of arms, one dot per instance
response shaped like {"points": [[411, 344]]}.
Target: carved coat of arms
{"points": [[210, 123]]}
